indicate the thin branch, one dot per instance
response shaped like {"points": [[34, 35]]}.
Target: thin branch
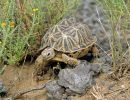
{"points": [[118, 90], [22, 92]]}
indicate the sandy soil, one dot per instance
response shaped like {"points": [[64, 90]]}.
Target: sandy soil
{"points": [[20, 78]]}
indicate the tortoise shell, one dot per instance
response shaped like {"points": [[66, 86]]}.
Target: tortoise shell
{"points": [[68, 36]]}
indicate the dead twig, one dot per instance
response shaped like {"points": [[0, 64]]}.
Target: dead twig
{"points": [[98, 93], [118, 90], [22, 92]]}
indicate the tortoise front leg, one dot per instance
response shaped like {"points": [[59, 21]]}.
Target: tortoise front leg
{"points": [[40, 64], [69, 60]]}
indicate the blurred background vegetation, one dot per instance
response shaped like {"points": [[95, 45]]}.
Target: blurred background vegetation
{"points": [[24, 22], [118, 13]]}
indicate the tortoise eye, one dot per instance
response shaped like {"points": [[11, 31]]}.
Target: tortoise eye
{"points": [[48, 54]]}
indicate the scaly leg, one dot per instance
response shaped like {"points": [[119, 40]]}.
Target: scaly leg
{"points": [[69, 60], [40, 70]]}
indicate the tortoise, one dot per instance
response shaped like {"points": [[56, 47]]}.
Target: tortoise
{"points": [[65, 42]]}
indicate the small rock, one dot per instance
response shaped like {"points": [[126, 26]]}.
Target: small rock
{"points": [[3, 91], [105, 63], [55, 91], [95, 68], [78, 79], [105, 68]]}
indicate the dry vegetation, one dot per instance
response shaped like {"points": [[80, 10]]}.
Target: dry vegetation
{"points": [[118, 13]]}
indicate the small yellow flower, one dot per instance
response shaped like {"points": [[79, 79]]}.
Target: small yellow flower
{"points": [[0, 42], [35, 9], [12, 23], [3, 24]]}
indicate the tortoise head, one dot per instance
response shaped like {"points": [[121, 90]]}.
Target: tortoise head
{"points": [[48, 53]]}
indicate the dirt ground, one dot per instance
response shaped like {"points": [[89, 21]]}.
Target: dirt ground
{"points": [[20, 78]]}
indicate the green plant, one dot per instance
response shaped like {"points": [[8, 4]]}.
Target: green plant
{"points": [[118, 14], [24, 22]]}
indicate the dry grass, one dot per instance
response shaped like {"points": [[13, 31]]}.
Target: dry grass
{"points": [[118, 13]]}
